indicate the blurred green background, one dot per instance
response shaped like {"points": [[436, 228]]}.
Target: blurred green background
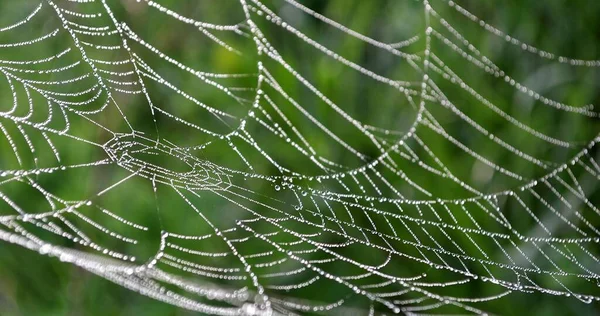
{"points": [[34, 285]]}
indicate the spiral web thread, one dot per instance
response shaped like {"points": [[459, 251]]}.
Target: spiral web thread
{"points": [[304, 236]]}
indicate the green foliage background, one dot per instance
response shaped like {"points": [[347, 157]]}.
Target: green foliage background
{"points": [[34, 285]]}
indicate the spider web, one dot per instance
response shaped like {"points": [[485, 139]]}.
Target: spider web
{"points": [[113, 160]]}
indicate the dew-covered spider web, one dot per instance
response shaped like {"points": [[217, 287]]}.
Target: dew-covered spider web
{"points": [[256, 157]]}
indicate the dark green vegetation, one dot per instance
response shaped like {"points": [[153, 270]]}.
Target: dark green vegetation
{"points": [[31, 284]]}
